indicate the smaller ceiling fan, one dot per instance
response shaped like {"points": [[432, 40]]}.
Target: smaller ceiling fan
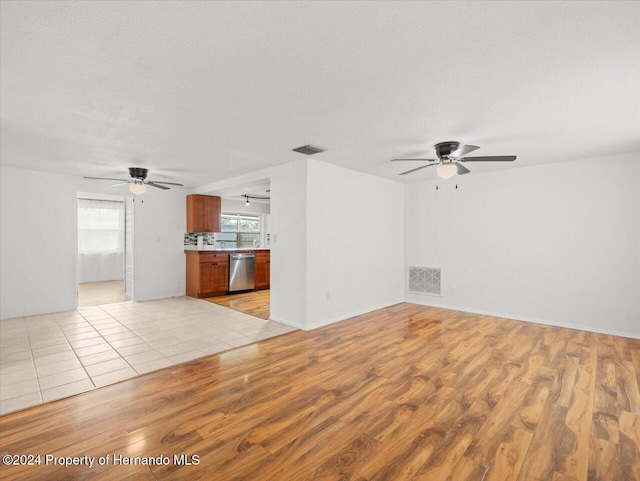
{"points": [[450, 155], [138, 180]]}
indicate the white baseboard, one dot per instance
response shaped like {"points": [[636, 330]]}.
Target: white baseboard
{"points": [[331, 321], [351, 314], [287, 322], [631, 335]]}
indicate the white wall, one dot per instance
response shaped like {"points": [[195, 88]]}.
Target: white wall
{"points": [[38, 241], [556, 243], [354, 243], [288, 221], [159, 260]]}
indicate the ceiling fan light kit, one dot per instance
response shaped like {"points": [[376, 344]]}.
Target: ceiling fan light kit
{"points": [[446, 171], [138, 188], [449, 158]]}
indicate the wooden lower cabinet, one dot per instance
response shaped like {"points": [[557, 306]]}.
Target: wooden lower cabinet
{"points": [[263, 270], [207, 274], [214, 277]]}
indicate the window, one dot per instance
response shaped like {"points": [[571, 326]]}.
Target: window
{"points": [[239, 230], [99, 224]]}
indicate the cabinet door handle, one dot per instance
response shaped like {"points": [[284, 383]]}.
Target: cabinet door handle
{"points": [[214, 263]]}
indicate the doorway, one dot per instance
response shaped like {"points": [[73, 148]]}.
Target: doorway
{"points": [[102, 249], [246, 225]]}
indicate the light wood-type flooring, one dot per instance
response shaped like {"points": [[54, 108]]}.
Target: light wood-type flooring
{"points": [[406, 392], [256, 303]]}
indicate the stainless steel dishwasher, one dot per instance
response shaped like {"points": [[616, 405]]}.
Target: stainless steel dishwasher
{"points": [[242, 268]]}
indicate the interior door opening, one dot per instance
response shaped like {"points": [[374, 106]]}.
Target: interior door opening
{"points": [[245, 230], [101, 260]]}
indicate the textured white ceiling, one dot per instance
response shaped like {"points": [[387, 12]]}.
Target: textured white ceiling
{"points": [[201, 91]]}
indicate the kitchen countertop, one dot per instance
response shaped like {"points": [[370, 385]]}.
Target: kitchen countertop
{"points": [[213, 249]]}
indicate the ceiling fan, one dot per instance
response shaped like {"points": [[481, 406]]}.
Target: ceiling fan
{"points": [[450, 155], [138, 180]]}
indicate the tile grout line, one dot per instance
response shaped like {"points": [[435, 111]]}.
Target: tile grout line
{"points": [[76, 354], [112, 347], [116, 349], [33, 361], [146, 342], [33, 364]]}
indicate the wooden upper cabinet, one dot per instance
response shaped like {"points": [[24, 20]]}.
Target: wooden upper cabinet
{"points": [[203, 213]]}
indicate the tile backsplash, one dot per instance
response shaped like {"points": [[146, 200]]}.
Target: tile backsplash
{"points": [[208, 239]]}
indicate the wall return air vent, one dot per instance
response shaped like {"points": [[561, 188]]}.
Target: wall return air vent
{"points": [[425, 280], [309, 149]]}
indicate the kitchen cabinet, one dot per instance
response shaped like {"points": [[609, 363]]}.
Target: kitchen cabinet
{"points": [[263, 270], [203, 213], [207, 274]]}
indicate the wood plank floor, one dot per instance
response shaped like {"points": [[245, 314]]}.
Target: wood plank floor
{"points": [[403, 393], [256, 303]]}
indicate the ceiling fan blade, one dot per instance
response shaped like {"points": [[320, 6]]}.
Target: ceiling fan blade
{"points": [[495, 158], [461, 169], [106, 178], [157, 186], [121, 183], [411, 160], [168, 183], [419, 168], [462, 150]]}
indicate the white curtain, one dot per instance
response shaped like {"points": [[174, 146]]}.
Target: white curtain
{"points": [[100, 240]]}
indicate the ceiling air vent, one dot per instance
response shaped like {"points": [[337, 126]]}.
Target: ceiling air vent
{"points": [[309, 149]]}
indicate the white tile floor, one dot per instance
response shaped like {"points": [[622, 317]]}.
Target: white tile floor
{"points": [[51, 356]]}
